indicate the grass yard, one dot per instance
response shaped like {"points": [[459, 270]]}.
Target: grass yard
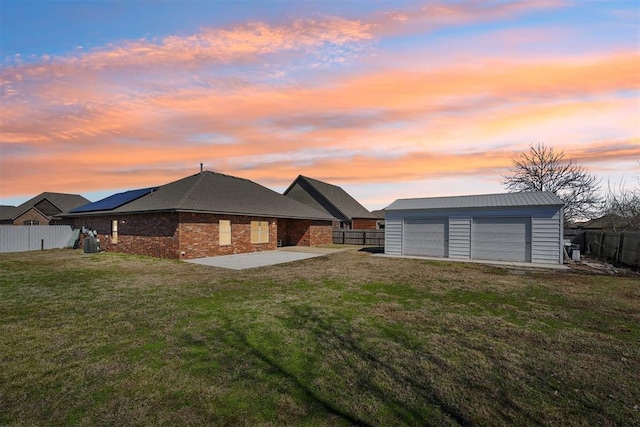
{"points": [[109, 339]]}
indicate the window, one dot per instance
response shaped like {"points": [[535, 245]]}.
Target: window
{"points": [[259, 231], [224, 231], [114, 231], [31, 222]]}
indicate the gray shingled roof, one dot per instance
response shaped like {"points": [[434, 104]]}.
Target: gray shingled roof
{"points": [[534, 198], [335, 196], [7, 212], [63, 201], [212, 192]]}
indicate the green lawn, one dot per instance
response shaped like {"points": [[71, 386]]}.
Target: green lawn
{"points": [[109, 339]]}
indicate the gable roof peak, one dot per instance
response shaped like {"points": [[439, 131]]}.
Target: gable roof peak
{"points": [[62, 201], [333, 198], [318, 182]]}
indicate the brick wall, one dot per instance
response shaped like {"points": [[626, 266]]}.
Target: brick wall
{"points": [[294, 232], [142, 234], [199, 235], [364, 224], [320, 233], [194, 235], [303, 232], [31, 215], [155, 246]]}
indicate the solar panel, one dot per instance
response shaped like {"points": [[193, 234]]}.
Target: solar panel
{"points": [[114, 201]]}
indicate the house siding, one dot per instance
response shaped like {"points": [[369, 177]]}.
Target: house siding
{"points": [[546, 229], [393, 234], [460, 237], [546, 233]]}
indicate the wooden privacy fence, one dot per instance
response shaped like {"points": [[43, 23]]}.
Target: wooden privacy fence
{"points": [[620, 247], [23, 238], [358, 237]]}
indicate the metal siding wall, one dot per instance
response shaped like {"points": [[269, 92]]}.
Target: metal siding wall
{"points": [[23, 238], [460, 237], [544, 219], [393, 235], [546, 239]]}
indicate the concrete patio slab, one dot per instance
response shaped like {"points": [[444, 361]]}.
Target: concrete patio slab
{"points": [[263, 259]]}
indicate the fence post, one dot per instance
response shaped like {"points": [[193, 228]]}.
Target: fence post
{"points": [[619, 250], [601, 245], [42, 244]]}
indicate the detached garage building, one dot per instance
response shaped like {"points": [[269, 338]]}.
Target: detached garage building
{"points": [[520, 227]]}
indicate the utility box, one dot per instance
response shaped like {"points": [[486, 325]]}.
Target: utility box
{"points": [[575, 255], [91, 245], [575, 252]]}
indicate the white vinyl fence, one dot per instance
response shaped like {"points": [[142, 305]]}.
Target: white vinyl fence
{"points": [[23, 238]]}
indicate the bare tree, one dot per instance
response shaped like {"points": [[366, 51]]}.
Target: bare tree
{"points": [[543, 168], [621, 207]]}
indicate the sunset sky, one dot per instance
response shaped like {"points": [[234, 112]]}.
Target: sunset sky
{"points": [[388, 99]]}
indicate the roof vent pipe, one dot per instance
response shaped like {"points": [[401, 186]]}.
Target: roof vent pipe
{"points": [[201, 170]]}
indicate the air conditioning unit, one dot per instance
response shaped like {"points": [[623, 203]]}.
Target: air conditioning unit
{"points": [[91, 245]]}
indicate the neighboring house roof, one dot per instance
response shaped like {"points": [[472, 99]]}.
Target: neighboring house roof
{"points": [[378, 213], [606, 222], [49, 204], [207, 192], [7, 212], [328, 197], [533, 198]]}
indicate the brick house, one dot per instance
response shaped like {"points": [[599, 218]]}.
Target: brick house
{"points": [[334, 201], [41, 210], [206, 214]]}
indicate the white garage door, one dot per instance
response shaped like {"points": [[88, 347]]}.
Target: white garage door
{"points": [[425, 237], [503, 239]]}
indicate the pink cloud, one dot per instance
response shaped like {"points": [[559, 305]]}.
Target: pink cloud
{"points": [[209, 45], [344, 112], [97, 120], [439, 14]]}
